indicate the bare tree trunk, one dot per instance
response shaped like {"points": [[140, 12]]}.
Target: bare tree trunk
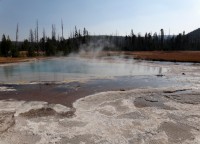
{"points": [[37, 31], [62, 29], [17, 34], [37, 37], [31, 37], [43, 40], [53, 32], [44, 35]]}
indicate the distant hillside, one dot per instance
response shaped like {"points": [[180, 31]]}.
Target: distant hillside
{"points": [[194, 35]]}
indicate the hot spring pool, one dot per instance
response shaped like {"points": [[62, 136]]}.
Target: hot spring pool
{"points": [[68, 68]]}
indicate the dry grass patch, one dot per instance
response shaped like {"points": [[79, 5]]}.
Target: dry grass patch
{"points": [[178, 56]]}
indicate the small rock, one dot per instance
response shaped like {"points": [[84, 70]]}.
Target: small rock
{"points": [[160, 75]]}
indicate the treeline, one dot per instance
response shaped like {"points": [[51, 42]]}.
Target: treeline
{"points": [[45, 46], [154, 42], [55, 45]]}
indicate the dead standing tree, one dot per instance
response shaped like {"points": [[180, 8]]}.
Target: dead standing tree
{"points": [[62, 30], [53, 33], [17, 35], [37, 37]]}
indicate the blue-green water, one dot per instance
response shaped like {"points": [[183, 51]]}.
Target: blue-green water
{"points": [[68, 68]]}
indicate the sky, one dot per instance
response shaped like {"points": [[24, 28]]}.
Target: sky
{"points": [[99, 16]]}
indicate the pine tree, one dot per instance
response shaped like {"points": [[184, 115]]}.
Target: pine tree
{"points": [[6, 46]]}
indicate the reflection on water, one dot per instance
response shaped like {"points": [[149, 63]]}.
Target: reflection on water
{"points": [[8, 71], [61, 69]]}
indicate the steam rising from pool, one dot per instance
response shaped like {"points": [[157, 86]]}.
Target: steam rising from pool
{"points": [[66, 68]]}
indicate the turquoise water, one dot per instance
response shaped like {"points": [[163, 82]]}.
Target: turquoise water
{"points": [[66, 68]]}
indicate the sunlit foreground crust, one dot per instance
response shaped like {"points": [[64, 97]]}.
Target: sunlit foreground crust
{"points": [[168, 115]]}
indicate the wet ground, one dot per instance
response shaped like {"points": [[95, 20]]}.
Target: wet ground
{"points": [[68, 93]]}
